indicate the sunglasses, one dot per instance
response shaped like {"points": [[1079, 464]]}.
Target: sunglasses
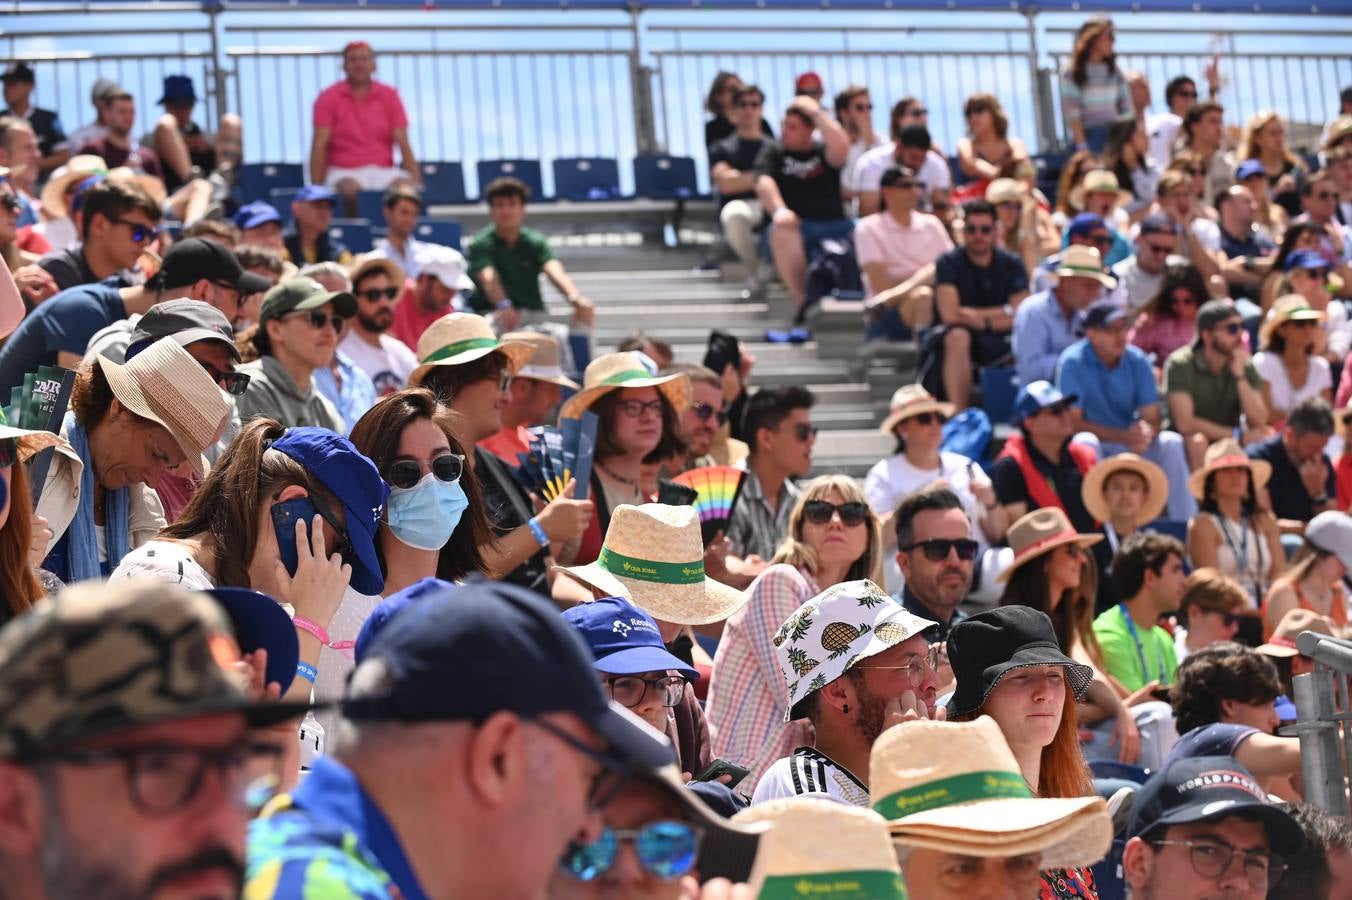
{"points": [[917, 112], [805, 432], [666, 849], [11, 202], [233, 383], [820, 512], [927, 418], [937, 549], [978, 229], [866, 107], [1231, 327], [319, 319], [140, 233], [703, 411], [405, 473], [374, 294]]}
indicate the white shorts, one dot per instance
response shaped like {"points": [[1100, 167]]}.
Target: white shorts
{"points": [[370, 178]]}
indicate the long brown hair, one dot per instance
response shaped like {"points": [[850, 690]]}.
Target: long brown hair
{"points": [[1089, 32], [18, 585], [1073, 617], [988, 103], [793, 551], [1062, 771], [671, 445]]}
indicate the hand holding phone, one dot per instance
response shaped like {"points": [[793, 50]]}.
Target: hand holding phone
{"points": [[307, 577], [720, 767]]}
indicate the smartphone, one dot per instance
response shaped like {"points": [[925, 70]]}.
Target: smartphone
{"points": [[720, 767], [1161, 693], [284, 516]]}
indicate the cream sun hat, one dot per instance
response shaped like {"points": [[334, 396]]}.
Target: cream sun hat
{"points": [[624, 370], [653, 556], [1042, 531], [817, 848], [1227, 454], [545, 362], [1291, 308], [1156, 482], [28, 441], [956, 787], [459, 338], [912, 400], [1098, 181]]}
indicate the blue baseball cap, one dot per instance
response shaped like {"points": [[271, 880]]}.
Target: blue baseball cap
{"points": [[1247, 169], [316, 193], [1037, 396], [1306, 259], [260, 623], [252, 215], [1102, 313], [624, 640], [463, 652], [1084, 223], [357, 484]]}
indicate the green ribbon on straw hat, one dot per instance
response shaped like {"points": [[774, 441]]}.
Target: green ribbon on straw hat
{"points": [[987, 785], [649, 570], [461, 347], [863, 884], [630, 375]]}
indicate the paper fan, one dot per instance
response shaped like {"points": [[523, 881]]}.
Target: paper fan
{"points": [[716, 489], [673, 494]]}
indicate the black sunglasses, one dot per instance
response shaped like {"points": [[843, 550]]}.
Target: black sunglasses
{"points": [[139, 233], [937, 549], [804, 432], [819, 512], [374, 294], [233, 383], [703, 411], [405, 473], [927, 418], [319, 319], [978, 229], [11, 202]]}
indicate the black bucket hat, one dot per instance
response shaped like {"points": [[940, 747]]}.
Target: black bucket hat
{"points": [[983, 648]]}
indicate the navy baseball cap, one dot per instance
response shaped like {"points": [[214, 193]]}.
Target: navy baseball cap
{"points": [[387, 609], [1102, 313], [316, 193], [1083, 224], [624, 640], [1306, 259], [1037, 396], [463, 652], [1157, 223], [1247, 169], [354, 480], [252, 215], [1207, 788], [260, 623]]}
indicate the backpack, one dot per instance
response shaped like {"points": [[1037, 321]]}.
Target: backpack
{"points": [[968, 433]]}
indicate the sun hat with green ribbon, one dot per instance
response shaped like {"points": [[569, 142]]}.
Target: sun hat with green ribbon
{"points": [[624, 370], [956, 787], [653, 556], [459, 338], [1079, 261]]}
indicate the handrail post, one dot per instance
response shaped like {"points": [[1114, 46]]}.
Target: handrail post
{"points": [[641, 89], [1046, 141], [1320, 762], [218, 71]]}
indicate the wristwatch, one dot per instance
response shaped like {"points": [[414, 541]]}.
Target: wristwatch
{"points": [[1008, 310]]}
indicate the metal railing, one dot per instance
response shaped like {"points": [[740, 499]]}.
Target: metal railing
{"points": [[1323, 713]]}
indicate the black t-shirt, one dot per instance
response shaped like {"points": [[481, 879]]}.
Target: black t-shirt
{"points": [[978, 287], [1290, 499], [46, 126], [1007, 479], [718, 128], [509, 508], [204, 160], [739, 153], [808, 183]]}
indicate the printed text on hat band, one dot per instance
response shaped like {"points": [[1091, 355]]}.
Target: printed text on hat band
{"points": [[648, 570], [988, 785]]}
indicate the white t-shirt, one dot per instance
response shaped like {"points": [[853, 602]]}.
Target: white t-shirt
{"points": [[1163, 130], [810, 773], [857, 150], [389, 365], [892, 478], [1284, 396], [868, 172], [334, 665]]}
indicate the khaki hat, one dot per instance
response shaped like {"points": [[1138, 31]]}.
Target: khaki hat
{"points": [[912, 400], [653, 556], [624, 370], [110, 657], [545, 362], [1039, 532], [1079, 261], [459, 338], [303, 293], [76, 169], [164, 384], [363, 265], [1156, 482], [1290, 308], [1341, 128], [1098, 181], [1226, 454], [1282, 644], [816, 848], [956, 787], [1004, 190]]}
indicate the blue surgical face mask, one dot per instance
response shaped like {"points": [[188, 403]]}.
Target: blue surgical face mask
{"points": [[425, 515]]}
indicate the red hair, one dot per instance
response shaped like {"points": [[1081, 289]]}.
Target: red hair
{"points": [[18, 585]]}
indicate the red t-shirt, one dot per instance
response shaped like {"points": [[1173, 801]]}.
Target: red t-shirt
{"points": [[361, 128], [507, 443], [411, 320]]}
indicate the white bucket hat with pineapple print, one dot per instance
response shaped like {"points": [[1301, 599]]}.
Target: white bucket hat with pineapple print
{"points": [[828, 634]]}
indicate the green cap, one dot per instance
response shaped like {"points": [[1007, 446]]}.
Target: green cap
{"points": [[304, 293]]}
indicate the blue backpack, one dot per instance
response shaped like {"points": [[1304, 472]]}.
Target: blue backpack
{"points": [[969, 433]]}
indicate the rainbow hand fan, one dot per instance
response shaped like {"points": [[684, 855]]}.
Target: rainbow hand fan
{"points": [[717, 489]]}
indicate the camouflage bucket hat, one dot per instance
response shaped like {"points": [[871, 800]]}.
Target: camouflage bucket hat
{"points": [[106, 658], [828, 634]]}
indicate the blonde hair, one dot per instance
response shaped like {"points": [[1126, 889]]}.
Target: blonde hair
{"points": [[795, 552], [1262, 119]]}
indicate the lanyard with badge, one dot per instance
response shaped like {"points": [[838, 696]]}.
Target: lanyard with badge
{"points": [[1140, 649]]}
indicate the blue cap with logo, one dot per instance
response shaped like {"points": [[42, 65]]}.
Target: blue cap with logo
{"points": [[260, 623], [357, 484], [313, 193], [1247, 169], [255, 214], [1306, 259], [1037, 396], [624, 640]]}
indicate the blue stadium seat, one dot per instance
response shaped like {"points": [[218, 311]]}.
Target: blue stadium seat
{"points": [[586, 178], [1175, 528], [527, 170], [371, 206], [665, 177], [1111, 885], [999, 387], [257, 180], [355, 233], [1111, 768], [959, 176], [445, 232], [444, 182], [281, 198]]}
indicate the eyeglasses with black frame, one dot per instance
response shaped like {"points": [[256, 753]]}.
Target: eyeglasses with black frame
{"points": [[937, 549], [1211, 858], [666, 849], [405, 473], [635, 409], [919, 666], [629, 690], [820, 512]]}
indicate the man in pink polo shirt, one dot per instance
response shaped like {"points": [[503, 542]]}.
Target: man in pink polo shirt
{"points": [[357, 123]]}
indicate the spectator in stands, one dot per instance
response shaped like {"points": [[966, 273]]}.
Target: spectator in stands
{"points": [[1189, 823], [1302, 483], [187, 151], [854, 112], [1314, 579], [937, 556], [102, 91], [345, 384], [976, 289], [1025, 227], [1211, 383], [442, 287], [533, 395], [1117, 402], [872, 665], [1041, 466], [1319, 204], [1270, 219], [732, 162], [119, 221], [1264, 140], [1290, 368], [267, 264], [377, 283], [911, 147], [1087, 230], [1203, 134], [1141, 274], [1094, 91], [18, 80], [798, 184], [403, 206], [1280, 647], [1246, 251], [1340, 167], [1300, 236], [1101, 194], [721, 104], [832, 537], [34, 283], [1047, 323], [1323, 868], [1180, 95], [988, 149], [1137, 652], [307, 240], [296, 335], [22, 534], [116, 146], [1308, 275], [1168, 319], [216, 230], [1209, 611], [260, 224], [20, 154], [358, 121], [704, 417], [780, 433], [1072, 173], [1126, 156], [1229, 532], [809, 84], [1124, 493]]}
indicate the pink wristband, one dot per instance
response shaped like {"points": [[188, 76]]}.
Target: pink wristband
{"points": [[313, 628]]}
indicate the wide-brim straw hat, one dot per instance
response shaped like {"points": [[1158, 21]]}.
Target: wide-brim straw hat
{"points": [[76, 169], [1042, 531], [1078, 261], [1290, 308], [1004, 190], [653, 556], [1282, 644], [819, 848], [363, 265], [912, 400], [1099, 181], [1227, 454], [545, 362], [459, 338], [614, 371], [956, 787], [1156, 482], [164, 384]]}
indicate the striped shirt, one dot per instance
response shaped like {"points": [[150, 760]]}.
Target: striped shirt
{"points": [[810, 773], [1104, 97], [748, 696]]}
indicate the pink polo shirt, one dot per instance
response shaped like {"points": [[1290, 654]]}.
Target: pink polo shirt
{"points": [[880, 238], [361, 129]]}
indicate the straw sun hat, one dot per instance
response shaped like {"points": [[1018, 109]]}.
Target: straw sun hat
{"points": [[912, 400], [164, 384], [653, 556], [1226, 454], [1078, 261], [459, 338], [956, 787], [1156, 483], [1042, 531], [1291, 308], [1098, 181], [545, 362], [624, 370]]}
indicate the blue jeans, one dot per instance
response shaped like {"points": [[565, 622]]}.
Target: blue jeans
{"points": [[814, 231]]}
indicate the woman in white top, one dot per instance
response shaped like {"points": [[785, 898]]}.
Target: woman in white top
{"points": [[1291, 369]]}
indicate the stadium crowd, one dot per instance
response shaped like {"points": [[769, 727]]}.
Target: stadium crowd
{"points": [[282, 617]]}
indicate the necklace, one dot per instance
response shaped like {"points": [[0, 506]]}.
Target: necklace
{"points": [[631, 482]]}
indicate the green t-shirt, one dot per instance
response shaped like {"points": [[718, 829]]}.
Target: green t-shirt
{"points": [[1215, 396], [1121, 657], [518, 266]]}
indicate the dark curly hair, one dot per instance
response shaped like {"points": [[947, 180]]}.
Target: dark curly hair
{"points": [[1223, 671]]}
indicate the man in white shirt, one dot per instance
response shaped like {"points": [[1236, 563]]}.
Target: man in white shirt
{"points": [[403, 205], [854, 111], [1180, 95], [912, 148], [377, 283], [1139, 275]]}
